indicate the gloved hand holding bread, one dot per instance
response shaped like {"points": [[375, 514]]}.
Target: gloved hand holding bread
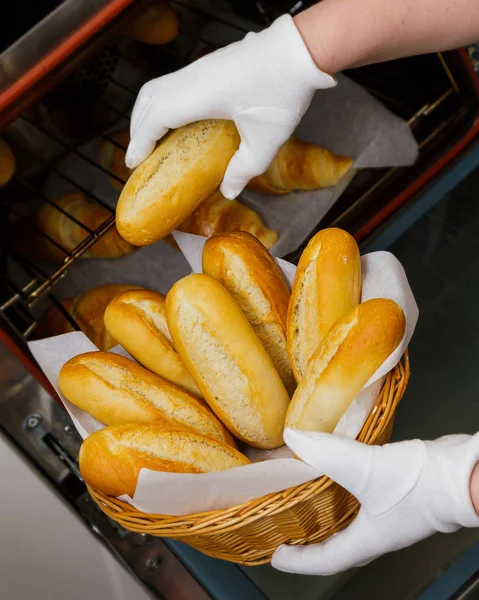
{"points": [[229, 357]]}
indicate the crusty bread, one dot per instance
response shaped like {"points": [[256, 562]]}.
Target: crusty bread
{"points": [[66, 232], [87, 311], [112, 157], [327, 285], [346, 359], [301, 166], [247, 270], [227, 360], [218, 214], [158, 24], [7, 163], [186, 167], [111, 458], [137, 320], [115, 390]]}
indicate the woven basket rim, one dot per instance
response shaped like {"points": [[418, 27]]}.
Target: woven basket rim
{"points": [[270, 504]]}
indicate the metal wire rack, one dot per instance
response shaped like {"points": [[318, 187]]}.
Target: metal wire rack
{"points": [[43, 148]]}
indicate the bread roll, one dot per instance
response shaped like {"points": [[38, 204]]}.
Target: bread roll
{"points": [[243, 265], [217, 214], [137, 320], [115, 390], [327, 285], [111, 458], [227, 360], [87, 311], [158, 24], [7, 163], [301, 166], [186, 167], [112, 157], [347, 358], [69, 235]]}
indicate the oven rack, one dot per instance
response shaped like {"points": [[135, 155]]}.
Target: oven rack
{"points": [[20, 302]]}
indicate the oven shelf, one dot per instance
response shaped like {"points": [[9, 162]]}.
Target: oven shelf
{"points": [[101, 94]]}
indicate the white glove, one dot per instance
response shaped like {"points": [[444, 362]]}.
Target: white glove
{"points": [[264, 83], [407, 490]]}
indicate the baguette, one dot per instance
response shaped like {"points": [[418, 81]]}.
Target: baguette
{"points": [[111, 458], [137, 320], [327, 286], [7, 163], [347, 358], [301, 166], [186, 167], [87, 311], [69, 234], [227, 360], [115, 390], [243, 265]]}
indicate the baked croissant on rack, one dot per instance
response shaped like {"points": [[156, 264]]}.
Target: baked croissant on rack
{"points": [[301, 166], [87, 310], [158, 24], [217, 214], [112, 157], [66, 232]]}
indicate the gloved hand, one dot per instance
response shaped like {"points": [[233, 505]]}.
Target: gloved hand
{"points": [[407, 490], [264, 83]]}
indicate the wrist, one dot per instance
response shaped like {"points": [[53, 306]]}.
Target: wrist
{"points": [[474, 487]]}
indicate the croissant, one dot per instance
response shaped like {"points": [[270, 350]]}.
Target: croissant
{"points": [[158, 24], [112, 157], [301, 166], [87, 310], [217, 214], [69, 234]]}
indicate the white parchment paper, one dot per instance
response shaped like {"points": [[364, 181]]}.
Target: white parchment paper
{"points": [[182, 494]]}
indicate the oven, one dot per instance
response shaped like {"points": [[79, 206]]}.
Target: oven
{"points": [[71, 76]]}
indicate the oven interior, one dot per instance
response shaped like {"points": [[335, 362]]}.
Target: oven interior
{"points": [[56, 138]]}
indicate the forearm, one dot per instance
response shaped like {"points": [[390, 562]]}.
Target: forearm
{"points": [[475, 487], [341, 34]]}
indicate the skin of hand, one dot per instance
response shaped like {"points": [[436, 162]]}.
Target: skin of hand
{"points": [[475, 488], [342, 34]]}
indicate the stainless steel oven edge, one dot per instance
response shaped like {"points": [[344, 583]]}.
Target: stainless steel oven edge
{"points": [[42, 432]]}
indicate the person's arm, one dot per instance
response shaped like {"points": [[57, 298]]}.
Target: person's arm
{"points": [[265, 82], [407, 491], [341, 34], [475, 488]]}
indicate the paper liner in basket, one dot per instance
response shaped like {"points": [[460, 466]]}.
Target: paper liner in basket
{"points": [[181, 494]]}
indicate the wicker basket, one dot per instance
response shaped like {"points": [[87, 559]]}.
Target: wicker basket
{"points": [[249, 533]]}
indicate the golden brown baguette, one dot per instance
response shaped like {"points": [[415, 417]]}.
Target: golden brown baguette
{"points": [[68, 234], [112, 157], [111, 458], [158, 24], [7, 163], [347, 358], [115, 390], [186, 167], [137, 320], [247, 270], [217, 214], [87, 311], [301, 166], [327, 285], [227, 360]]}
